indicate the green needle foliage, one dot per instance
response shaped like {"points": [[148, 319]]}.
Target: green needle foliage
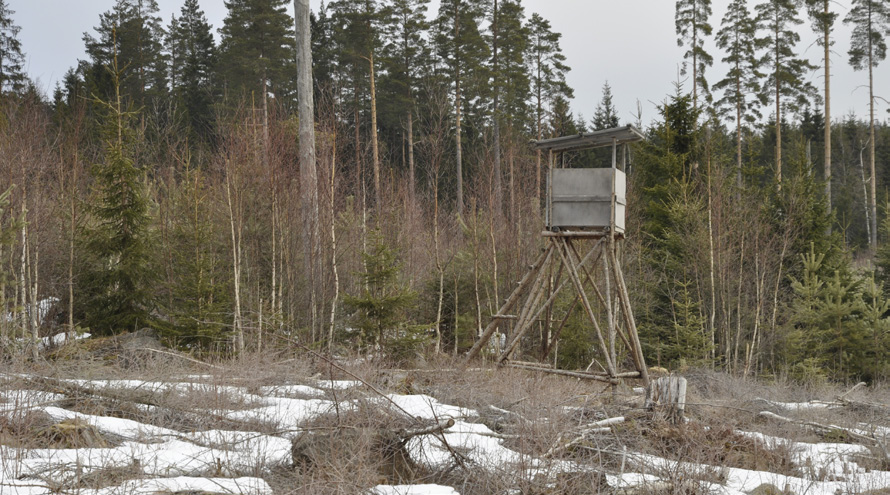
{"points": [[12, 60], [117, 283], [380, 308]]}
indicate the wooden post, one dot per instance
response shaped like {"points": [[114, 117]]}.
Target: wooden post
{"points": [[495, 321]]}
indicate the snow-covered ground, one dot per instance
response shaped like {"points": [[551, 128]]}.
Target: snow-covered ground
{"points": [[167, 460]]}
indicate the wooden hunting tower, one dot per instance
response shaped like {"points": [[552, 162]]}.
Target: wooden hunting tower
{"points": [[584, 231]]}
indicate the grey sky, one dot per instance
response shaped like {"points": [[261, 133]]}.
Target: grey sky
{"points": [[630, 43]]}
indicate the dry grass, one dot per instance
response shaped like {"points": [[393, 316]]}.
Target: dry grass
{"points": [[356, 446]]}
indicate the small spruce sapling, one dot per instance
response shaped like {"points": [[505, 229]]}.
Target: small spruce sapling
{"points": [[380, 309]]}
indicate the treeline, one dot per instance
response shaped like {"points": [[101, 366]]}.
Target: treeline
{"points": [[158, 186]]}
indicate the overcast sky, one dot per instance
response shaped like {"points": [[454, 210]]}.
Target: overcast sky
{"points": [[630, 43]]}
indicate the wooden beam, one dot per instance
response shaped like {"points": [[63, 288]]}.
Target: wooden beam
{"points": [[493, 325]]}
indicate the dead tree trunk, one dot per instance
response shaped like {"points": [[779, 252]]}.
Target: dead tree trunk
{"points": [[308, 172]]}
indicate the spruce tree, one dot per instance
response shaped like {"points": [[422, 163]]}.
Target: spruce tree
{"points": [[875, 307], [803, 343], [12, 60], [380, 309], [132, 32], [868, 47], [257, 49], [786, 83], [117, 282], [741, 85], [692, 26], [192, 56], [606, 115]]}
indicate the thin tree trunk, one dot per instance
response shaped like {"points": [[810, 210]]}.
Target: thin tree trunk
{"points": [[457, 104], [374, 150], [873, 240], [236, 264], [738, 136], [713, 316], [778, 114], [439, 268], [411, 175], [496, 124], [827, 57], [865, 200], [336, 274]]}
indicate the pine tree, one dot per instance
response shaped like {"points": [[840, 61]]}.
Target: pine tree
{"points": [[691, 21], [192, 56], [12, 60], [605, 116], [117, 284], [548, 79], [786, 83], [406, 52], [741, 86], [257, 50], [823, 23], [132, 32], [463, 51], [868, 47], [509, 84], [357, 37]]}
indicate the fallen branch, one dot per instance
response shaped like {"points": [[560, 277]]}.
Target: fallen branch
{"points": [[602, 426], [436, 428], [821, 427], [181, 356]]}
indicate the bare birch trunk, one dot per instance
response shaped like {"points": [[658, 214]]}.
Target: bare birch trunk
{"points": [[873, 240], [457, 103], [336, 274], [865, 199], [497, 184], [827, 58], [236, 264], [411, 175], [439, 267], [374, 146]]}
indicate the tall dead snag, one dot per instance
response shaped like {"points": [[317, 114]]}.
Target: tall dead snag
{"points": [[308, 173]]}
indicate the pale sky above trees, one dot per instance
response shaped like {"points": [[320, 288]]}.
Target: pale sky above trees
{"points": [[630, 43]]}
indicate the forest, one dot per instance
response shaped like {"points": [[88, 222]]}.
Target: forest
{"points": [[159, 185]]}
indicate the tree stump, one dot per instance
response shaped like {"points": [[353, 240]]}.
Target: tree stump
{"points": [[667, 395]]}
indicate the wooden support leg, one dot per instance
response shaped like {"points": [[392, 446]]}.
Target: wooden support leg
{"points": [[633, 336], [525, 324], [555, 337], [576, 279], [493, 325], [525, 316]]}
